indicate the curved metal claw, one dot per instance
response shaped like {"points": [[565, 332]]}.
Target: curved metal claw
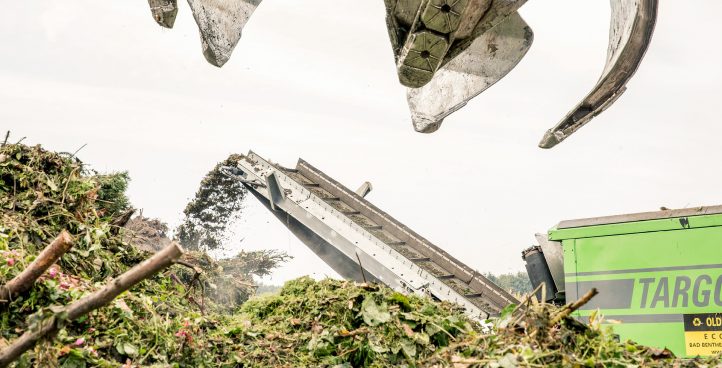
{"points": [[488, 59], [220, 23], [449, 51], [631, 30], [427, 34], [164, 11]]}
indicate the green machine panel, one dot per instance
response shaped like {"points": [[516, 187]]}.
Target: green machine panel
{"points": [[659, 275]]}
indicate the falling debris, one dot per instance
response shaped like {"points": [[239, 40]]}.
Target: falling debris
{"points": [[217, 204]]}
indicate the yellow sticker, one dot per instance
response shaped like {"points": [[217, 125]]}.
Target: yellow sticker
{"points": [[703, 334], [703, 342]]}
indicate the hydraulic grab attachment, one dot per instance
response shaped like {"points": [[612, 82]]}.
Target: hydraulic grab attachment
{"points": [[629, 36], [449, 51]]}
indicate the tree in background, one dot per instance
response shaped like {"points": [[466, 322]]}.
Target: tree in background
{"points": [[111, 195], [517, 283]]}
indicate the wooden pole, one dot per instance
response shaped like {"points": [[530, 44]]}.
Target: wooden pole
{"points": [[102, 297], [25, 280]]}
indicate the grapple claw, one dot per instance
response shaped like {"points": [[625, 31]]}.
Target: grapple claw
{"points": [[630, 33], [449, 51], [420, 58], [488, 59], [220, 23], [164, 11]]}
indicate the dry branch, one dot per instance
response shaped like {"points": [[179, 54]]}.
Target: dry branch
{"points": [[102, 297], [44, 260], [571, 307]]}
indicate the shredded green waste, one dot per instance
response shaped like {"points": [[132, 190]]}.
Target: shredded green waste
{"points": [[340, 323], [216, 206], [186, 318], [43, 193]]}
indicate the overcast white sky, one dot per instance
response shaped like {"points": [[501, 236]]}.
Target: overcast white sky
{"points": [[316, 79]]}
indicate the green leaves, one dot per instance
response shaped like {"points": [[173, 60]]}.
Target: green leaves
{"points": [[111, 194], [401, 300], [126, 348], [322, 344], [52, 186], [74, 359], [186, 319], [408, 347], [332, 322], [505, 316], [374, 314]]}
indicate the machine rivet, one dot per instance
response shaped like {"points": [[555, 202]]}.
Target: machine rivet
{"points": [[443, 15]]}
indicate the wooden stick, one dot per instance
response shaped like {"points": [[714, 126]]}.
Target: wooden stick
{"points": [[25, 280], [358, 331], [521, 305], [571, 307], [102, 297]]}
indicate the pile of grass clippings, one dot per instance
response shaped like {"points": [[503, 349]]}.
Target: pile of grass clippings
{"points": [[334, 323], [527, 337], [43, 193], [198, 315]]}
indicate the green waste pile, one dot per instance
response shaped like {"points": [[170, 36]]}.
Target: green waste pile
{"points": [[43, 193], [536, 336], [340, 323], [334, 323], [198, 314]]}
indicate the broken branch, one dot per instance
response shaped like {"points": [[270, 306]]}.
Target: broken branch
{"points": [[102, 297], [44, 260], [193, 267], [571, 307]]}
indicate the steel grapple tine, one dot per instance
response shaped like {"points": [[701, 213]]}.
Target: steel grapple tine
{"points": [[164, 12], [220, 23], [487, 60], [631, 29]]}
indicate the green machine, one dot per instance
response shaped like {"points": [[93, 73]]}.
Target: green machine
{"points": [[659, 274]]}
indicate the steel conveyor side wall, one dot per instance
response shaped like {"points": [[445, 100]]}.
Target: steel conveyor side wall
{"points": [[495, 295]]}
